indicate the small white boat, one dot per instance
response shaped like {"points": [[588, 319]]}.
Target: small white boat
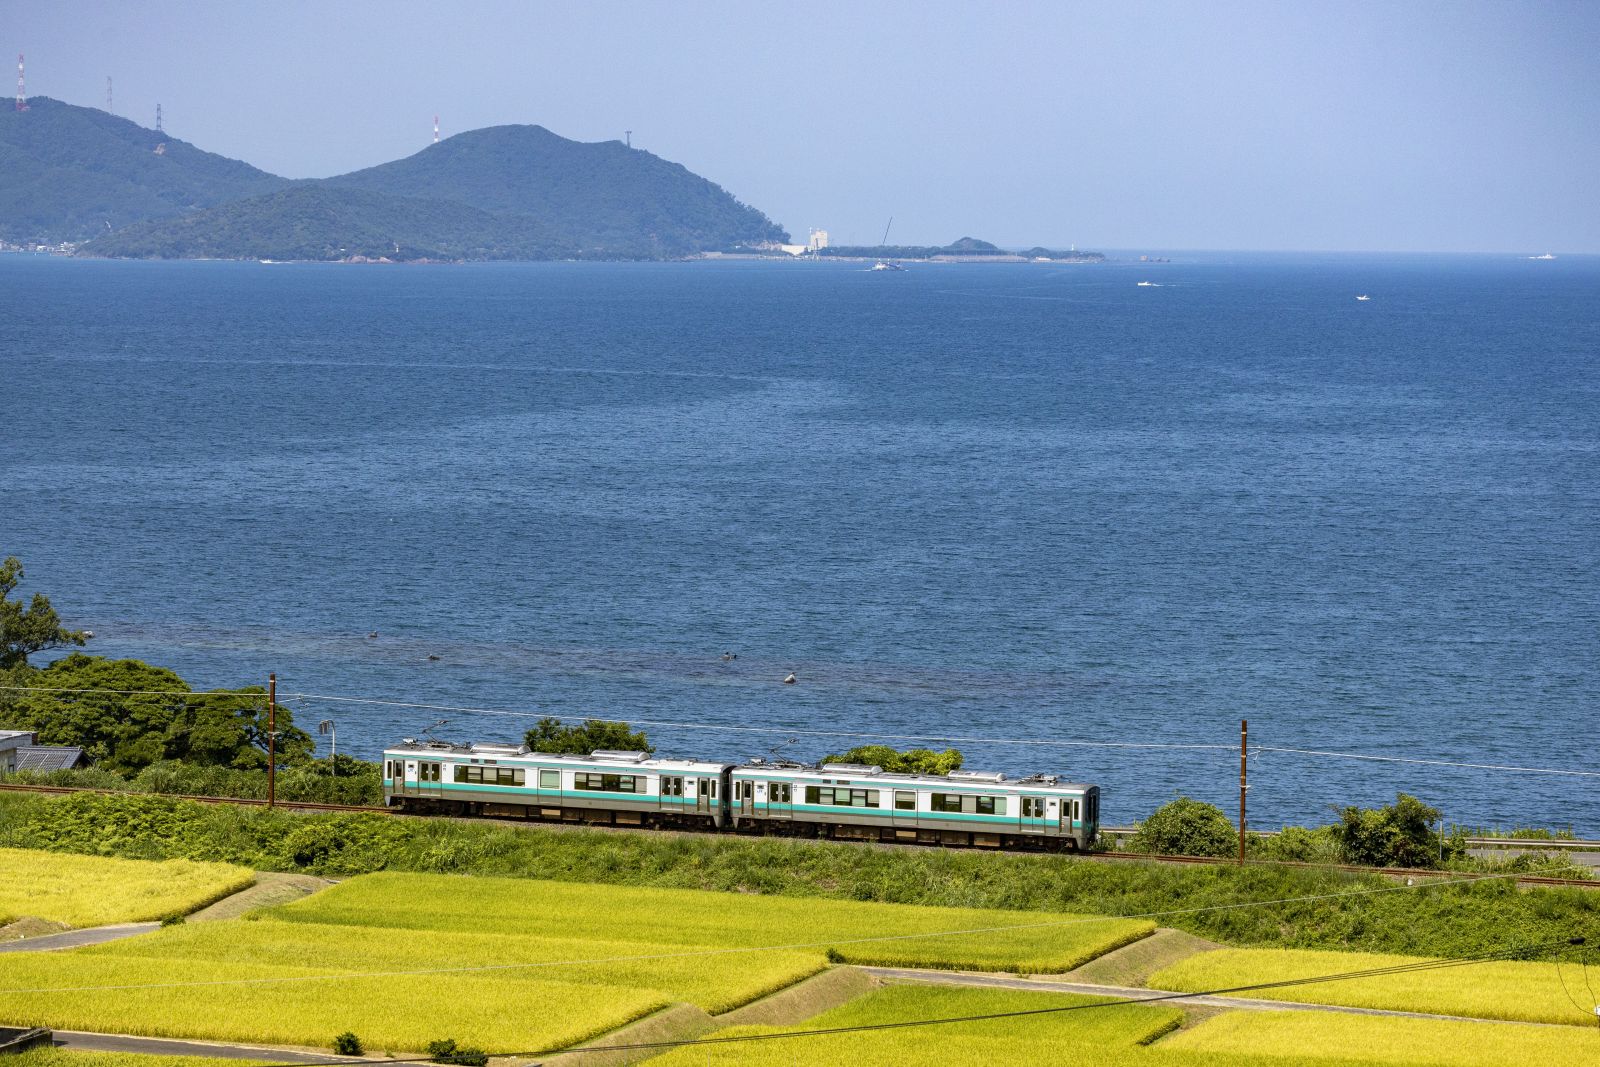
{"points": [[1363, 296], [1148, 285], [1547, 255], [884, 264]]}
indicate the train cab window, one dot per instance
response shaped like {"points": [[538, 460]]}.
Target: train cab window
{"points": [[905, 801], [549, 779], [671, 785]]}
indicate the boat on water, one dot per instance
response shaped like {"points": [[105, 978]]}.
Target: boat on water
{"points": [[1363, 296], [1547, 255], [1148, 285], [884, 264]]}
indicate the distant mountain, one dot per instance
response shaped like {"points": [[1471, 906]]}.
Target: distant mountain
{"points": [[610, 198], [70, 173], [312, 220]]}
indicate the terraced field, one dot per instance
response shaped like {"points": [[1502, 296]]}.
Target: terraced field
{"points": [[96, 890], [1517, 991], [1121, 1036], [505, 964]]}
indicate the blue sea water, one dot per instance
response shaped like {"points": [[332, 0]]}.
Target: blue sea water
{"points": [[1014, 502]]}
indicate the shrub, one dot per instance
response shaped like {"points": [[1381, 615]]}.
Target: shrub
{"points": [[348, 1044], [1296, 844], [1186, 827], [912, 761], [1399, 835], [447, 1051]]}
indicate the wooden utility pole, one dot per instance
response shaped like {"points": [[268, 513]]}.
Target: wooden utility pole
{"points": [[272, 740], [1244, 779]]}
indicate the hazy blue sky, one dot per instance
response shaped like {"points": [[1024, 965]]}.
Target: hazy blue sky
{"points": [[1390, 125]]}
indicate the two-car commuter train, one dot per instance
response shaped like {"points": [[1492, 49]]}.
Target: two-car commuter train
{"points": [[836, 800]]}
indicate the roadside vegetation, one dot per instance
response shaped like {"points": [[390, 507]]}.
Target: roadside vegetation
{"points": [[1349, 911], [93, 891], [60, 1057]]}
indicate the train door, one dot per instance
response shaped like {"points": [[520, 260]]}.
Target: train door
{"points": [[745, 794], [1054, 810], [1071, 816], [780, 796], [705, 791], [1033, 817], [406, 781], [429, 778]]}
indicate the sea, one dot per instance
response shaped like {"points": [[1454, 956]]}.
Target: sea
{"points": [[1047, 514]]}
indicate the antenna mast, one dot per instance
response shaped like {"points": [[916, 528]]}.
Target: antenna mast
{"points": [[108, 96], [158, 119], [436, 129], [22, 92], [886, 232]]}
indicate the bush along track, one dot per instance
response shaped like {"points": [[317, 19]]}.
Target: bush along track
{"points": [[1323, 908]]}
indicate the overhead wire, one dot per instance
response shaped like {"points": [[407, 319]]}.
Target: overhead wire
{"points": [[1515, 952], [790, 947]]}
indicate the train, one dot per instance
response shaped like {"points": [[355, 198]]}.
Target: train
{"points": [[844, 801]]}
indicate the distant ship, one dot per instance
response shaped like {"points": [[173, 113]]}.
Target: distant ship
{"points": [[884, 264], [1148, 285], [1363, 296], [1547, 255]]}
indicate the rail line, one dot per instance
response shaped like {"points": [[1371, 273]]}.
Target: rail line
{"points": [[308, 805]]}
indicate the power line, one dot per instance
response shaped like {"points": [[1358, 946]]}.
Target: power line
{"points": [[1517, 952], [1429, 762], [792, 947]]}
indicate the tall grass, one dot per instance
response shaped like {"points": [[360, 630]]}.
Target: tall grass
{"points": [[92, 890]]}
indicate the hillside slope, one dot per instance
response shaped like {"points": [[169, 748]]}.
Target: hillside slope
{"points": [[73, 172], [612, 199], [311, 220]]}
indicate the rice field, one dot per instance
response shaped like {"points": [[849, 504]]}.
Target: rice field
{"points": [[1317, 1037], [1036, 942], [506, 964], [96, 890], [1094, 1036], [1517, 991]]}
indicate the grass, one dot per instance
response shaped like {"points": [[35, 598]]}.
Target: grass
{"points": [[1066, 1037], [1517, 991], [95, 890], [1133, 965], [1324, 1036], [1041, 942], [1335, 909]]}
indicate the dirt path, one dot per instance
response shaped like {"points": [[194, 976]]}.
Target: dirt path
{"points": [[271, 888], [94, 935], [82, 1041]]}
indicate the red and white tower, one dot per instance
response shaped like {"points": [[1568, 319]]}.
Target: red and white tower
{"points": [[436, 129], [22, 89]]}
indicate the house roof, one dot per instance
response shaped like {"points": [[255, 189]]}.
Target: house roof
{"points": [[49, 757]]}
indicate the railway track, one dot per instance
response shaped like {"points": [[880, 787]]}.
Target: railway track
{"points": [[306, 805]]}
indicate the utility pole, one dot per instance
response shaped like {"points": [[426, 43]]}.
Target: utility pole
{"points": [[272, 739], [1244, 779]]}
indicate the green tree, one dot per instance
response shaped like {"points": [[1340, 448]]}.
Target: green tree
{"points": [[1399, 835], [30, 629], [549, 735], [912, 761], [1186, 827], [127, 715]]}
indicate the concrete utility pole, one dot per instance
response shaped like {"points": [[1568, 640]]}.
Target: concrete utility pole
{"points": [[272, 740], [1244, 779]]}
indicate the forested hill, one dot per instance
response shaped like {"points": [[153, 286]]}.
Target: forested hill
{"points": [[312, 220], [74, 172], [610, 198]]}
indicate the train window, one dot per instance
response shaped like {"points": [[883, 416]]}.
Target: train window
{"points": [[986, 806], [814, 794], [427, 772], [671, 785], [713, 782], [549, 779], [1094, 808], [778, 792], [607, 783], [905, 801]]}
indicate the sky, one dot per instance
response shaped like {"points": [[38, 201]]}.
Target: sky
{"points": [[1130, 125]]}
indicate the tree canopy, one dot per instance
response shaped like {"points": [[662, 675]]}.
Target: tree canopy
{"points": [[911, 761], [549, 735], [134, 715], [1397, 835], [30, 629]]}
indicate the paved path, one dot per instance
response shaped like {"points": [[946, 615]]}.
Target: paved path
{"points": [[1047, 984], [81, 1041], [94, 935]]}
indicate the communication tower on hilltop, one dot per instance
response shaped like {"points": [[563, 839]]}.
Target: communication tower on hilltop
{"points": [[158, 119], [436, 129], [22, 91], [108, 96]]}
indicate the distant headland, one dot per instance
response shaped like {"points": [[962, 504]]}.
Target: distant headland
{"points": [[83, 182]]}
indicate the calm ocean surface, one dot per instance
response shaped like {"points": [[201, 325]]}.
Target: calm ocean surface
{"points": [[1028, 502]]}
